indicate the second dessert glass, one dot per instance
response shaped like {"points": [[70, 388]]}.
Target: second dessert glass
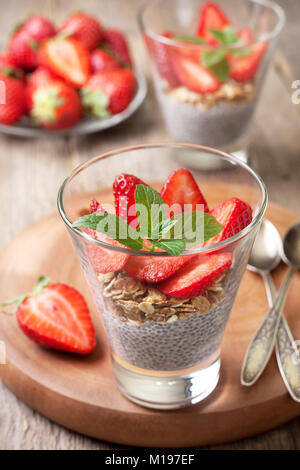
{"points": [[208, 91], [165, 350]]}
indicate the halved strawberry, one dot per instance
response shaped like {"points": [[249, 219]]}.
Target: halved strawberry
{"points": [[234, 214], [58, 318], [181, 188], [68, 58], [211, 17], [244, 68], [197, 276], [104, 260], [194, 75], [154, 269], [162, 57], [124, 188]]}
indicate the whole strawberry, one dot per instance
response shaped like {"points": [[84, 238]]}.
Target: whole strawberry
{"points": [[56, 316], [25, 42], [8, 68], [84, 27], [115, 42], [56, 105], [12, 99], [109, 91], [41, 76], [102, 60]]}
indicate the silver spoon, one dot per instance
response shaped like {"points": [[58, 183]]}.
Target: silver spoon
{"points": [[265, 256]]}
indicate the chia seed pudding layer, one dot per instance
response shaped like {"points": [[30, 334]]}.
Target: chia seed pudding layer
{"points": [[215, 120], [168, 334]]}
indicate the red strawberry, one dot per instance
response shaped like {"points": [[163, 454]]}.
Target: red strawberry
{"points": [[211, 17], [38, 78], [234, 214], [96, 207], [244, 68], [115, 41], [155, 269], [25, 42], [68, 58], [181, 188], [162, 56], [197, 276], [245, 35], [124, 188], [101, 60], [105, 260], [8, 68], [109, 91], [13, 101], [195, 76], [57, 317], [85, 28], [56, 105]]}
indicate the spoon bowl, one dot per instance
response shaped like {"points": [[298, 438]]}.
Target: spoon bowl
{"points": [[291, 246], [267, 248]]}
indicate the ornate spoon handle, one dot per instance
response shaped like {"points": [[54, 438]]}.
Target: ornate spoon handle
{"points": [[287, 354], [261, 346]]}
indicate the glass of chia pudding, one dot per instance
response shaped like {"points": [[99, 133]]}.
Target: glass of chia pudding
{"points": [[209, 61], [164, 297]]}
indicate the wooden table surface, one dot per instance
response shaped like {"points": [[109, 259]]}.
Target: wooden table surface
{"points": [[32, 170]]}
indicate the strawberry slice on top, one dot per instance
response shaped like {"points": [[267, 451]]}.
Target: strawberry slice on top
{"points": [[104, 260], [211, 17], [197, 276], [181, 188], [244, 68], [124, 189], [194, 76], [234, 214]]}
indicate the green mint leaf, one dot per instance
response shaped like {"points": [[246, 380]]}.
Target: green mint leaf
{"points": [[226, 36], [151, 210], [240, 52], [193, 39], [166, 226], [195, 227], [210, 58], [112, 226], [173, 247], [221, 70]]}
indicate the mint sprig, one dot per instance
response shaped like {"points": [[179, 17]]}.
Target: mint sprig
{"points": [[216, 59], [171, 235]]}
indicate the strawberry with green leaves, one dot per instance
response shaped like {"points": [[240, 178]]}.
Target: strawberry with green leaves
{"points": [[7, 67], [211, 17], [25, 42], [55, 105], [14, 105], [55, 316], [108, 92], [86, 28], [66, 57]]}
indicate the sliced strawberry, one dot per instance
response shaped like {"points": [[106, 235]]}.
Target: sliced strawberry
{"points": [[244, 68], [211, 17], [195, 76], [124, 188], [104, 260], [67, 57], [58, 318], [181, 188], [197, 276], [162, 56], [245, 35], [234, 214], [155, 269], [96, 207]]}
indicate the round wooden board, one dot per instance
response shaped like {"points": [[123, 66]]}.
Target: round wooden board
{"points": [[80, 392]]}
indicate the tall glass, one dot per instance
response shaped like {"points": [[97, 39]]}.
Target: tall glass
{"points": [[165, 350], [203, 104]]}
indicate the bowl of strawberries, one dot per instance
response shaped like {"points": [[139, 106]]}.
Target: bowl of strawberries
{"points": [[77, 78]]}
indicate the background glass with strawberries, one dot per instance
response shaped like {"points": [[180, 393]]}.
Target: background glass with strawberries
{"points": [[165, 303], [56, 77], [209, 61]]}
